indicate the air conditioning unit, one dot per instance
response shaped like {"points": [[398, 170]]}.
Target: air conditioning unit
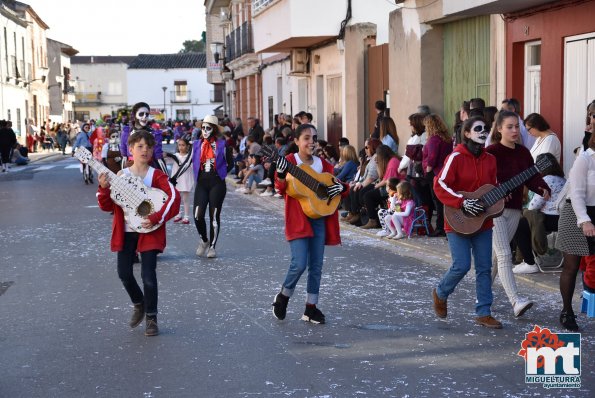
{"points": [[299, 60]]}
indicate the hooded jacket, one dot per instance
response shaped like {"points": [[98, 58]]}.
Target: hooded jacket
{"points": [[464, 172]]}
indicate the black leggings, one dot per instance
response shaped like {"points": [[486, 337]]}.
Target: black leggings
{"points": [[148, 261], [372, 199], [356, 199], [210, 190], [523, 238]]}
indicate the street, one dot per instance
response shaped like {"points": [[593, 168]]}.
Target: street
{"points": [[64, 313]]}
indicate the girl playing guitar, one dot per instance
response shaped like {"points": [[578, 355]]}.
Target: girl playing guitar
{"points": [[307, 236]]}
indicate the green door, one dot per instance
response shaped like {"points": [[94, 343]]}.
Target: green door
{"points": [[466, 63]]}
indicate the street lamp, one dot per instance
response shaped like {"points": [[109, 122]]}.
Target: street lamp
{"points": [[164, 90], [217, 50]]}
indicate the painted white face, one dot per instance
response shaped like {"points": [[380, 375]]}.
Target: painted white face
{"points": [[207, 131], [113, 138], [478, 133], [142, 116]]}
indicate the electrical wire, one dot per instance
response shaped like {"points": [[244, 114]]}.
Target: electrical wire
{"points": [[412, 8]]}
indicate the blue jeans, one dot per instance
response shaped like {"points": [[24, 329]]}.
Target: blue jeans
{"points": [[461, 248], [307, 252], [253, 178]]}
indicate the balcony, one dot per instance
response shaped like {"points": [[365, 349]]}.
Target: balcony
{"points": [[484, 7], [239, 42], [281, 25], [180, 97], [89, 98]]}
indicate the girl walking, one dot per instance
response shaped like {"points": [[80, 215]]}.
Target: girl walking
{"points": [[512, 159], [307, 236]]}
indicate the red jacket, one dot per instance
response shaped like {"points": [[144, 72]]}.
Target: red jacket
{"points": [[150, 241], [464, 172], [297, 225]]}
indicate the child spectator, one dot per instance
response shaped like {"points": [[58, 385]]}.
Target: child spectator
{"points": [[255, 174], [384, 215], [402, 220], [182, 177]]}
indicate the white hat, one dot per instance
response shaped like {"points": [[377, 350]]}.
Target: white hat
{"points": [[212, 119]]}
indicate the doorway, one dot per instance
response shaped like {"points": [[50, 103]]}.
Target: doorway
{"points": [[334, 109]]}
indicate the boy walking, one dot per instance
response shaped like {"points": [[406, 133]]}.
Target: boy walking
{"points": [[126, 242]]}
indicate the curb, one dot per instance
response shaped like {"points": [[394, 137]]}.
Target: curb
{"points": [[412, 248]]}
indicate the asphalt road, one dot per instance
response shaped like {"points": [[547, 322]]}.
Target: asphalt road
{"points": [[64, 313]]}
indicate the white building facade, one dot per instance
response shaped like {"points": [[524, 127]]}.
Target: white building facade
{"points": [[176, 83], [100, 85]]}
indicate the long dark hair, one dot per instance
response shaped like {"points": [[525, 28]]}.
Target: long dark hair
{"points": [[383, 155], [555, 169]]}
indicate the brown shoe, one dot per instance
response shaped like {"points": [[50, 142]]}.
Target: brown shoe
{"points": [[138, 314], [489, 322], [372, 223], [355, 219], [151, 327], [439, 305]]}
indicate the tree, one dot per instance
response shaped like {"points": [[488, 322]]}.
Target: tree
{"points": [[195, 45]]}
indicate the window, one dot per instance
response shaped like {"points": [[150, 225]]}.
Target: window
{"points": [[181, 93], [114, 88], [19, 119], [532, 77], [182, 114]]}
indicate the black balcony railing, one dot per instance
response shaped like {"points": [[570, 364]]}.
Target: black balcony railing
{"points": [[180, 97], [239, 42]]}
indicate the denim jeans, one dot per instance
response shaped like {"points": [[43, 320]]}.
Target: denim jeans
{"points": [[307, 252], [253, 178], [148, 273], [461, 248]]}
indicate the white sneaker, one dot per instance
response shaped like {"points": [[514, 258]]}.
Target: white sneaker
{"points": [[524, 268], [277, 195], [398, 236], [267, 193], [521, 306], [202, 248], [211, 253], [242, 190], [266, 181], [391, 235], [382, 233], [247, 192]]}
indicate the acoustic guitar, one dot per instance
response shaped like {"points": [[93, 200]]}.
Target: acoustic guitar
{"points": [[308, 187], [129, 192], [493, 199]]}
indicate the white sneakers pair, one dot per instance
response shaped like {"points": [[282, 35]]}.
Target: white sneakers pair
{"points": [[203, 247], [267, 193], [524, 268], [389, 235]]}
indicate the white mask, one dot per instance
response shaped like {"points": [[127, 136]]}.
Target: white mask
{"points": [[478, 133], [142, 116], [207, 131]]}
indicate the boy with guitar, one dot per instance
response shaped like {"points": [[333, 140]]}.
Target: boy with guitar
{"points": [[126, 241], [311, 219]]}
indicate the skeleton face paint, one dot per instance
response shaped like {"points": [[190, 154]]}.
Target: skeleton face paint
{"points": [[478, 133], [207, 131], [142, 116]]}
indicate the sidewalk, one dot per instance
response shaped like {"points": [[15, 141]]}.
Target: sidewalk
{"points": [[433, 251]]}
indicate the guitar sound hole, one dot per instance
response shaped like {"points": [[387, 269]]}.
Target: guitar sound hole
{"points": [[321, 191], [144, 209]]}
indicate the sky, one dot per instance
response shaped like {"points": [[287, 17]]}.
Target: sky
{"points": [[110, 27]]}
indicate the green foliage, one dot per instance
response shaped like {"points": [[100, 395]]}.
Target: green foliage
{"points": [[197, 46]]}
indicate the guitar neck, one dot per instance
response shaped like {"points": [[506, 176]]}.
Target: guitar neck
{"points": [[507, 187], [117, 183]]}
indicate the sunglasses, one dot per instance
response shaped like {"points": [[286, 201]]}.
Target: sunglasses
{"points": [[479, 129], [143, 114]]}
